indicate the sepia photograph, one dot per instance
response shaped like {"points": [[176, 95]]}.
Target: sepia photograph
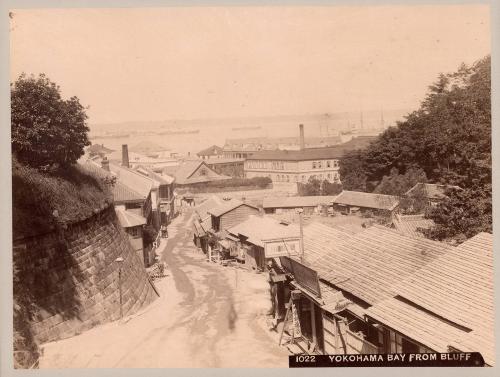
{"points": [[251, 186]]}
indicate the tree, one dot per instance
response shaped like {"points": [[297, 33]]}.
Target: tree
{"points": [[330, 188], [448, 138], [462, 215], [398, 184], [47, 131]]}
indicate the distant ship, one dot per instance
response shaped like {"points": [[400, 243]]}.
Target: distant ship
{"points": [[247, 128], [178, 132], [110, 136]]}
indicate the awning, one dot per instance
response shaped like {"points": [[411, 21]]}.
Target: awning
{"points": [[225, 244]]}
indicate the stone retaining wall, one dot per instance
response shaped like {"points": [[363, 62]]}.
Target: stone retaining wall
{"points": [[72, 277]]}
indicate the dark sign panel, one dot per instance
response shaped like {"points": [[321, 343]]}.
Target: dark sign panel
{"points": [[305, 276], [456, 359]]}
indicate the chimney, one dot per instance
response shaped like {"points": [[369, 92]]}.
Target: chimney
{"points": [[105, 164], [125, 161], [301, 137]]}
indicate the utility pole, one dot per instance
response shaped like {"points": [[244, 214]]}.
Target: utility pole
{"points": [[120, 260], [299, 211]]}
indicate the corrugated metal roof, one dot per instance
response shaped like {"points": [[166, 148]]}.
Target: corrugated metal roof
{"points": [[457, 287], [227, 206], [296, 201], [367, 200], [129, 219], [258, 229], [410, 225]]}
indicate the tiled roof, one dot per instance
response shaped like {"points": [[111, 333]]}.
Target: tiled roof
{"points": [[227, 206], [410, 225], [183, 172], [369, 263], [129, 219], [333, 152], [258, 229], [122, 194], [296, 201], [214, 150], [132, 179], [456, 287], [367, 200], [129, 186]]}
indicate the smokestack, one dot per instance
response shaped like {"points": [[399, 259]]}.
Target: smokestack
{"points": [[301, 137], [105, 164], [125, 161]]}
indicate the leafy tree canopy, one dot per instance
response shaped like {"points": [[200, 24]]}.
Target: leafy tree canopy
{"points": [[47, 131], [449, 139]]}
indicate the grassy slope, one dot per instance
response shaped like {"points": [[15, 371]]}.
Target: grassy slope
{"points": [[75, 193]]}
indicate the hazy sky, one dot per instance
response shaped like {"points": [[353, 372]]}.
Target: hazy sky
{"points": [[199, 62]]}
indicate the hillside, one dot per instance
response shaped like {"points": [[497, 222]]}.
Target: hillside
{"points": [[42, 200]]}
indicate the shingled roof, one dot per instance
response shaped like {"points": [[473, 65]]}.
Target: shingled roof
{"points": [[228, 206], [370, 263], [259, 229], [447, 302], [411, 225], [296, 201], [367, 200]]}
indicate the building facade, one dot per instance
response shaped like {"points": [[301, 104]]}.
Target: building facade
{"points": [[295, 166]]}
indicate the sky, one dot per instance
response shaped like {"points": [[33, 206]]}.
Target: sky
{"points": [[154, 64]]}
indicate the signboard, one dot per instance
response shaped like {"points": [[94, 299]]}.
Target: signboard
{"points": [[305, 276], [281, 248]]}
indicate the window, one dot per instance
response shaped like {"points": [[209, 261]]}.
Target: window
{"points": [[314, 164], [303, 178], [328, 164], [203, 171], [287, 178], [396, 343], [134, 232], [319, 164]]}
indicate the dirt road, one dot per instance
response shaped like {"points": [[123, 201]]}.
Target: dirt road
{"points": [[207, 316]]}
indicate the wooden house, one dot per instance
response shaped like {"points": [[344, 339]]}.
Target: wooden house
{"points": [[357, 271], [309, 204], [445, 306], [348, 202], [261, 238]]}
